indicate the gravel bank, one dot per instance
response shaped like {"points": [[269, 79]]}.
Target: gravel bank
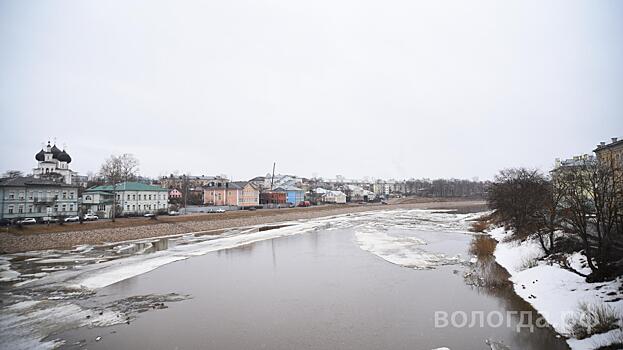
{"points": [[13, 243]]}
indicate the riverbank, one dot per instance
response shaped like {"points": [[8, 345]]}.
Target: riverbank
{"points": [[557, 293], [67, 236]]}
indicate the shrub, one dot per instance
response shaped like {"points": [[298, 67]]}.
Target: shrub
{"points": [[482, 246], [528, 263], [479, 226], [592, 319]]}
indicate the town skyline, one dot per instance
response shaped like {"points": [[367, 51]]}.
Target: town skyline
{"points": [[391, 93], [85, 164]]}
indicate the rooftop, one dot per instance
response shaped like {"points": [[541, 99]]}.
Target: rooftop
{"points": [[602, 145], [128, 186], [22, 181]]}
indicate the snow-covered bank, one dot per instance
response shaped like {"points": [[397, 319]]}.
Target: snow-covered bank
{"points": [[554, 292]]}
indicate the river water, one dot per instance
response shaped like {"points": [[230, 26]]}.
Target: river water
{"points": [[359, 281]]}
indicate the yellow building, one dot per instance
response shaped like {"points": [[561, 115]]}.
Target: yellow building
{"points": [[610, 154]]}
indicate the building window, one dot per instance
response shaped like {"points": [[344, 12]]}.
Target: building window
{"points": [[64, 207], [55, 207], [30, 208], [128, 197], [71, 195], [128, 207], [150, 197], [11, 196], [64, 195], [10, 210], [20, 210], [71, 207]]}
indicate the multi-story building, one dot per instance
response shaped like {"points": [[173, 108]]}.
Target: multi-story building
{"points": [[49, 192], [192, 181], [272, 198], [610, 154], [22, 197], [294, 195], [132, 198], [240, 194]]}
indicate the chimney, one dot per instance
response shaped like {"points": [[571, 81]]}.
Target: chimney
{"points": [[614, 139]]}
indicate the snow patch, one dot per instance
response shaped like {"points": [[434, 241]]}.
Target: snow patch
{"points": [[554, 292]]}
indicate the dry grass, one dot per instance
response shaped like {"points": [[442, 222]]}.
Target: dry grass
{"points": [[482, 246], [592, 319]]}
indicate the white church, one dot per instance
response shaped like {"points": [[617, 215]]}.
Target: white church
{"points": [[52, 162]]}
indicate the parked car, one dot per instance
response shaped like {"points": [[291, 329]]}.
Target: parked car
{"points": [[384, 203], [174, 213], [72, 219], [27, 221], [304, 204], [219, 210], [90, 217], [149, 215], [49, 220]]}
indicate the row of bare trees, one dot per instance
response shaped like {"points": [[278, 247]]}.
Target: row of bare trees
{"points": [[584, 202]]}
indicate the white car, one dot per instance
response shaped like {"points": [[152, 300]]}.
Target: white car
{"points": [[27, 221], [72, 219], [149, 215], [174, 213], [219, 210], [90, 217]]}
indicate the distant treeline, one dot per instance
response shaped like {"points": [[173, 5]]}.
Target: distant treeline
{"points": [[442, 188]]}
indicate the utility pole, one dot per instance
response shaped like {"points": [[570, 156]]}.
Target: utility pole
{"points": [[185, 194], [272, 178]]}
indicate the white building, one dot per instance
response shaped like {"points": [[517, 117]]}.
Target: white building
{"points": [[336, 197], [358, 193], [48, 193], [133, 198], [53, 163]]}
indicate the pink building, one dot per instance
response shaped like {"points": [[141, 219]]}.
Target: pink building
{"points": [[240, 194], [174, 193]]}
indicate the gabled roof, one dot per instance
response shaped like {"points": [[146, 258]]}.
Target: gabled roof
{"points": [[128, 186], [287, 188], [334, 193]]}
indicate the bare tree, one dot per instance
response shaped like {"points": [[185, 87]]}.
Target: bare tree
{"points": [[592, 208], [518, 196], [548, 217], [115, 170], [13, 173]]}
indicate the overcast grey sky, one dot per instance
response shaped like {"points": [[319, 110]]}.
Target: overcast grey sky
{"points": [[358, 88]]}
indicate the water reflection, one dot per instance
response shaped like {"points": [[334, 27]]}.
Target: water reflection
{"points": [[488, 277]]}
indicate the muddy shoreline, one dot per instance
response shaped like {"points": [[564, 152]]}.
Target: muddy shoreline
{"points": [[27, 241]]}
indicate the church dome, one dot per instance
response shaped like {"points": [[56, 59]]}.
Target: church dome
{"points": [[63, 157], [40, 156], [55, 151]]}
